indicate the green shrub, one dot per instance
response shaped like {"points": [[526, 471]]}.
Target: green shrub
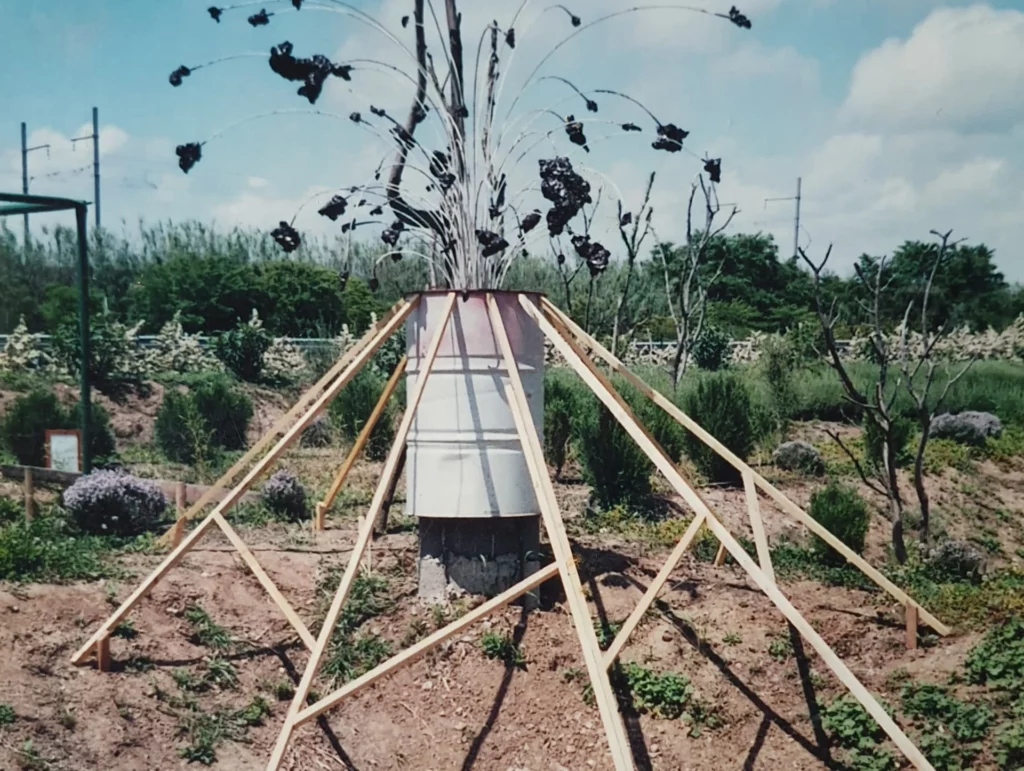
{"points": [[114, 363], [711, 350], [242, 350], [101, 438], [998, 660], [42, 549], [503, 648], [214, 414], [226, 408], [663, 694], [841, 510], [874, 441], [778, 363], [1009, 750], [662, 426], [285, 496], [721, 404], [352, 408], [561, 395], [616, 469], [26, 422], [11, 510], [7, 715]]}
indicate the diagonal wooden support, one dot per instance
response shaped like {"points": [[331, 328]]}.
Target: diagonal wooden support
{"points": [[359, 443], [232, 497], [362, 541], [532, 449], [411, 654], [764, 554], [790, 508], [618, 407], [173, 535]]}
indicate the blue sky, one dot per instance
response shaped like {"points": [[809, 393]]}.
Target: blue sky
{"points": [[900, 115]]}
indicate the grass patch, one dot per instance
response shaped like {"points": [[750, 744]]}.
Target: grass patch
{"points": [[45, 549], [6, 714], [503, 648], [205, 631], [352, 653]]}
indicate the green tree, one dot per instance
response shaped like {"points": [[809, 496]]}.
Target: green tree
{"points": [[302, 299]]}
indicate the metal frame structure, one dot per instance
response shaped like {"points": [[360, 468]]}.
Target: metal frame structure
{"points": [[19, 203], [576, 347]]}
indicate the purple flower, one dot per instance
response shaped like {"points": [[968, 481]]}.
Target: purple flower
{"points": [[286, 237], [178, 74], [285, 496], [114, 503], [334, 208], [188, 155]]}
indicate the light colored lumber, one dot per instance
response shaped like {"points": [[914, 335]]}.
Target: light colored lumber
{"points": [[763, 484], [261, 575], [764, 554], [652, 591], [911, 627], [178, 528], [362, 541], [532, 449], [411, 654], [172, 559], [240, 489], [617, 406], [360, 442], [402, 307], [720, 555], [103, 653], [29, 494], [380, 527]]}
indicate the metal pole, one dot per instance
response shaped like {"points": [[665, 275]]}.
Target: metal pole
{"points": [[24, 171], [796, 229], [83, 321], [96, 163]]}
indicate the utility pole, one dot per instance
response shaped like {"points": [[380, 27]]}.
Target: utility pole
{"points": [[25, 150], [95, 137], [796, 224]]}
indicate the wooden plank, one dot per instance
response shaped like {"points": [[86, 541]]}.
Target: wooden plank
{"points": [[360, 442], [652, 591], [763, 484], [30, 490], [412, 653], [516, 395], [46, 476], [249, 478], [362, 541], [911, 627], [268, 584], [720, 556], [764, 554], [380, 527], [103, 653], [617, 406], [401, 308]]}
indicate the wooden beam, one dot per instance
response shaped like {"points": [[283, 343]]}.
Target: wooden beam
{"points": [[30, 489], [720, 555], [532, 449], [763, 484], [357, 446], [401, 308], [261, 575], [618, 407], [380, 527], [411, 654], [362, 541], [103, 653], [764, 554], [652, 591], [240, 489], [911, 627]]}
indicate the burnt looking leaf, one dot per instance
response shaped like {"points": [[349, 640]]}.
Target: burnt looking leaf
{"points": [[670, 138], [439, 168], [355, 117], [510, 38], [334, 208], [626, 219], [342, 279], [178, 74], [567, 191], [297, 4], [376, 211], [189, 155], [560, 259], [313, 71], [713, 166], [405, 22], [591, 105], [260, 19], [575, 131], [595, 255], [491, 242], [738, 18], [286, 236], [390, 236], [631, 127], [530, 221], [373, 283], [215, 13], [380, 112]]}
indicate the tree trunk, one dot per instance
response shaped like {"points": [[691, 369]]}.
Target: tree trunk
{"points": [[618, 310], [899, 547], [922, 494]]}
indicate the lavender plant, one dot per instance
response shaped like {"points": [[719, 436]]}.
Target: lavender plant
{"points": [[114, 503], [471, 222], [284, 495]]}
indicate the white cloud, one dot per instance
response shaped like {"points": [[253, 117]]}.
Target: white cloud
{"points": [[257, 182], [960, 68]]}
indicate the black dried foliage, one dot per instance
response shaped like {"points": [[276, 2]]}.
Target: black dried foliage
{"points": [[355, 117], [498, 203], [567, 191], [333, 208], [670, 138], [376, 211], [440, 169], [342, 279], [260, 19], [405, 22], [738, 18], [347, 226], [626, 219], [560, 259], [188, 155], [594, 253], [178, 74], [713, 167], [215, 13], [313, 72], [390, 236], [286, 236], [378, 111], [510, 38], [591, 105], [373, 283], [530, 221], [575, 131], [631, 127], [576, 21], [491, 242], [297, 4]]}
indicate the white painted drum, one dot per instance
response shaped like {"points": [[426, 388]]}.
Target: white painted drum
{"points": [[464, 459]]}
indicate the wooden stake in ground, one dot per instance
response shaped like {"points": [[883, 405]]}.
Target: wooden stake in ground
{"points": [[573, 330], [618, 407], [232, 497], [362, 541]]}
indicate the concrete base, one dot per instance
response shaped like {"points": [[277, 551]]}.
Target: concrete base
{"points": [[475, 556]]}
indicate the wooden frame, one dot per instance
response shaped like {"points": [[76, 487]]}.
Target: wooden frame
{"points": [[51, 432], [567, 339]]}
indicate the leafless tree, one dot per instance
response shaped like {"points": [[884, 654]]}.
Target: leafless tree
{"points": [[632, 238], [686, 288]]}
